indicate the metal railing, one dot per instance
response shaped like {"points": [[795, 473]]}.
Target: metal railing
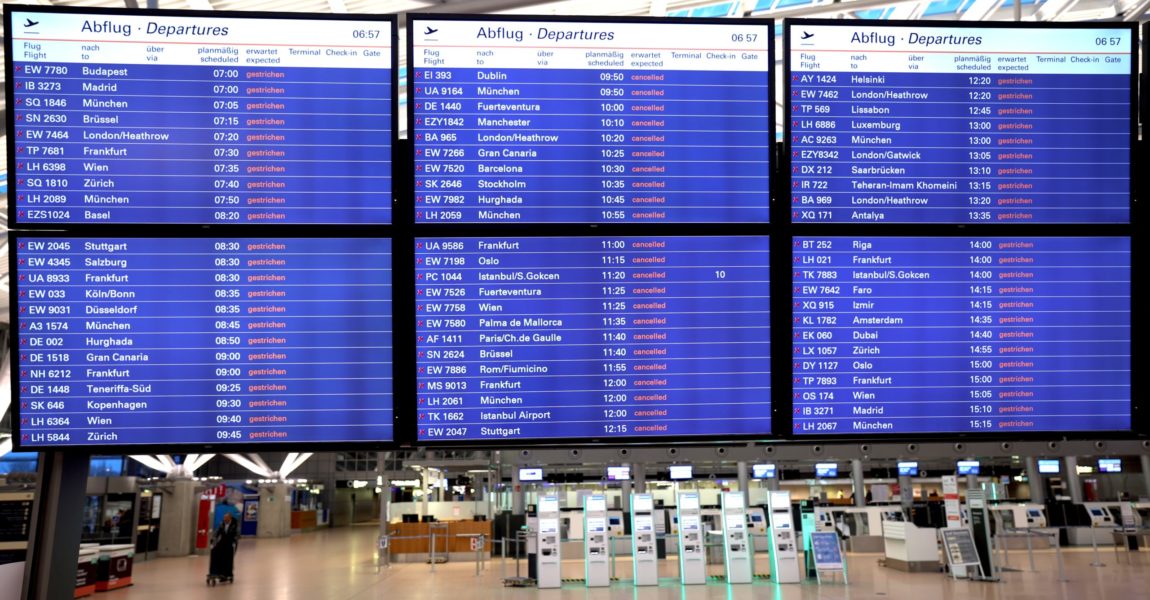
{"points": [[520, 542], [1002, 541]]}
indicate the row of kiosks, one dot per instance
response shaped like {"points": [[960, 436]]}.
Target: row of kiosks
{"points": [[738, 549]]}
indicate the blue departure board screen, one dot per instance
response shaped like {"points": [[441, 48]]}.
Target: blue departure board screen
{"points": [[591, 121], [592, 337], [203, 340], [950, 123], [961, 334], [170, 117]]}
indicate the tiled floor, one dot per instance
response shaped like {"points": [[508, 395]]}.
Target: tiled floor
{"points": [[339, 564]]}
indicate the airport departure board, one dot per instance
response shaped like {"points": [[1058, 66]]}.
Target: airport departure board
{"points": [[149, 117], [1010, 334], [928, 123], [203, 340], [528, 338], [591, 121]]}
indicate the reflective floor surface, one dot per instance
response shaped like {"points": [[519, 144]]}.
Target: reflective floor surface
{"points": [[339, 564]]}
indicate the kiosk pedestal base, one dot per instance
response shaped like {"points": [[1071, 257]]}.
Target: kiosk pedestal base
{"points": [[918, 566]]}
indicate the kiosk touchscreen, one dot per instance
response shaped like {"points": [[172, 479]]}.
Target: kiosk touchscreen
{"points": [[784, 545], [547, 543], [595, 540], [736, 540], [692, 553], [1036, 517], [643, 549]]}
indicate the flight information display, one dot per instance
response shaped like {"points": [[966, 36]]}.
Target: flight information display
{"points": [[960, 124], [634, 121], [155, 117], [203, 340], [592, 337], [961, 334]]}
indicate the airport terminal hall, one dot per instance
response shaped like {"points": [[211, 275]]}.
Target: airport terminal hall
{"points": [[574, 300]]}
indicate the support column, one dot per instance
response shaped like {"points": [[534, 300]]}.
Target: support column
{"points": [[744, 482], [625, 497], [489, 493], [57, 521], [384, 503], [640, 478], [1146, 473], [178, 517], [275, 511], [328, 495], [516, 492], [858, 483], [1034, 479], [905, 491], [1073, 484], [384, 491], [426, 497]]}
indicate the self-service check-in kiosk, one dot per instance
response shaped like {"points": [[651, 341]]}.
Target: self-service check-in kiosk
{"points": [[1035, 517], [1099, 516], [547, 543], [615, 525], [1015, 521], [1020, 516], [784, 545], [1141, 515], [595, 540], [737, 542], [692, 551], [643, 551]]}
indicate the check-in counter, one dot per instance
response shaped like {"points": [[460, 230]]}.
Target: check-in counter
{"points": [[304, 520], [909, 547], [1014, 521], [114, 566], [1103, 520], [410, 542], [862, 526], [86, 568]]}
